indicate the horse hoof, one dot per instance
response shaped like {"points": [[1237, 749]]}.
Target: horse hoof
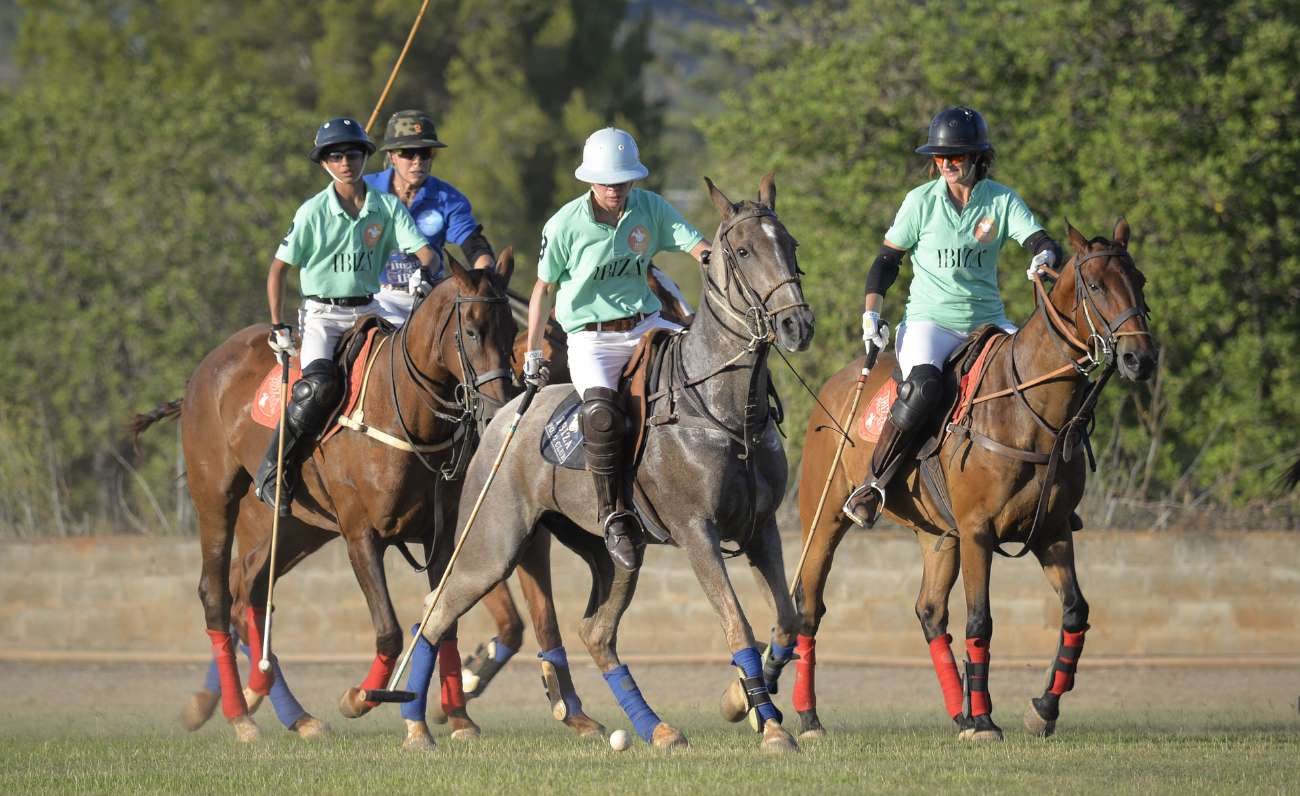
{"points": [[979, 728], [469, 732], [199, 710], [253, 700], [586, 727], [418, 738], [776, 739], [436, 715], [667, 737], [1037, 725], [353, 703], [309, 728], [734, 705], [245, 730], [815, 732]]}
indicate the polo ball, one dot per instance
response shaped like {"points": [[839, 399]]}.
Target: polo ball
{"points": [[619, 740]]}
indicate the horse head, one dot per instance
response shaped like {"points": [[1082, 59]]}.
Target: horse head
{"points": [[1109, 310], [473, 332], [754, 272]]}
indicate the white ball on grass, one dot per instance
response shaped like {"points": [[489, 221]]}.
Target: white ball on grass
{"points": [[619, 740]]}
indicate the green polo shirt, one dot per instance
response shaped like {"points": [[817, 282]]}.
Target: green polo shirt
{"points": [[955, 254], [601, 270], [343, 256]]}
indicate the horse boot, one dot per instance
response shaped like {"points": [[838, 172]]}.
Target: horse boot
{"points": [[604, 428], [311, 400], [919, 394]]}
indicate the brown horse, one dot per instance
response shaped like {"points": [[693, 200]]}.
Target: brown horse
{"points": [[439, 374], [1022, 443]]}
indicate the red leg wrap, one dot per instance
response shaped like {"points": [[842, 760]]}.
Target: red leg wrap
{"points": [[977, 654], [1067, 660], [805, 680], [259, 682], [232, 693], [380, 671], [453, 692], [946, 667]]}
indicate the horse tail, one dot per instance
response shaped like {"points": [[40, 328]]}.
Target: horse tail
{"points": [[164, 411], [1291, 477]]}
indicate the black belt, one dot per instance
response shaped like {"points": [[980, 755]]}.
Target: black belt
{"points": [[344, 301], [618, 325]]}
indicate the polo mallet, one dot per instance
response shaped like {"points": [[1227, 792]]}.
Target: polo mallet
{"points": [[867, 365], [264, 665], [391, 694]]}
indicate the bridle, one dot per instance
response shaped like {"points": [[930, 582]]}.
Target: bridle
{"points": [[1099, 349], [469, 410]]}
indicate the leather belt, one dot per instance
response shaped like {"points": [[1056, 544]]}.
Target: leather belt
{"points": [[617, 325], [344, 301]]}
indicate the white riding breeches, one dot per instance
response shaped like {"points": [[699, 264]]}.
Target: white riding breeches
{"points": [[926, 342], [321, 325], [394, 305], [596, 359]]}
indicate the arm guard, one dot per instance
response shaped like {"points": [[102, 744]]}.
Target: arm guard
{"points": [[1039, 241], [476, 245], [884, 270]]}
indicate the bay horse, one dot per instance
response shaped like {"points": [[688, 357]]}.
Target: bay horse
{"points": [[712, 470], [443, 371], [1027, 421]]}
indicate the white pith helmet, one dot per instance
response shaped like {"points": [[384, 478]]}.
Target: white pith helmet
{"points": [[610, 157]]}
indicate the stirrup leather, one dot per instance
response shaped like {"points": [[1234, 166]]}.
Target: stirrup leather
{"points": [[874, 509]]}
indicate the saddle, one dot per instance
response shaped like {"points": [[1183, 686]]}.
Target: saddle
{"points": [[351, 354]]}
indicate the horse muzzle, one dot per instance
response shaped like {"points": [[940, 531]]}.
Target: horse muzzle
{"points": [[794, 329], [1137, 365]]}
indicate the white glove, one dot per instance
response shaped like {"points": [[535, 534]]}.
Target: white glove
{"points": [[537, 371], [281, 339], [873, 331], [417, 285], [1043, 258]]}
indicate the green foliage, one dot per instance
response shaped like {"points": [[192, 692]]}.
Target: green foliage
{"points": [[1180, 116]]}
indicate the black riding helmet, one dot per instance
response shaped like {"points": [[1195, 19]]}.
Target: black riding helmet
{"points": [[954, 131], [340, 131]]}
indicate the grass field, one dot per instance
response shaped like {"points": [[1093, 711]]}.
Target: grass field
{"points": [[112, 728]]}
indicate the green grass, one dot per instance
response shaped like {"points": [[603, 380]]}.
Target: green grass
{"points": [[897, 744]]}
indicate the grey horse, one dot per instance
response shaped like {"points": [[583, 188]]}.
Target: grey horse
{"points": [[712, 470]]}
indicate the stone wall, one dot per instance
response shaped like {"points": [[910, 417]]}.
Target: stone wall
{"points": [[1153, 595]]}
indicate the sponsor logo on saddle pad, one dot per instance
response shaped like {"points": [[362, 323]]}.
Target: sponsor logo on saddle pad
{"points": [[266, 401], [562, 437]]}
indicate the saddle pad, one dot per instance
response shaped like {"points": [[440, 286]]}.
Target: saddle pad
{"points": [[971, 380], [873, 417], [562, 438], [266, 402]]}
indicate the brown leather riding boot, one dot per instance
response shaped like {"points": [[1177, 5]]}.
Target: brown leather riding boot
{"points": [[865, 503]]}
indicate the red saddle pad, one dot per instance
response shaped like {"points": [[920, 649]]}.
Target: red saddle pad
{"points": [[266, 402]]}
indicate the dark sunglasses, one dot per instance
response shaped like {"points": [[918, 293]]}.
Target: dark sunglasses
{"points": [[955, 160], [347, 154], [425, 153]]}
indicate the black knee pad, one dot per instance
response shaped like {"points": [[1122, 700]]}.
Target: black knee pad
{"points": [[314, 396], [917, 397], [603, 428]]}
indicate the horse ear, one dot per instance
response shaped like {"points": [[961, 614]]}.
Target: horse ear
{"points": [[506, 263], [458, 272], [767, 191], [1077, 241], [1121, 233], [720, 200]]}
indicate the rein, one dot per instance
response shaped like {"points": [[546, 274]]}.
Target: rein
{"points": [[1098, 352]]}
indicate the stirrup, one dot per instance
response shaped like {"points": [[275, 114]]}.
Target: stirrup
{"points": [[627, 559], [265, 492], [873, 508]]}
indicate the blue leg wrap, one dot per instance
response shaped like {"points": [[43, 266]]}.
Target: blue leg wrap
{"points": [[422, 662], [559, 659], [630, 700], [752, 665], [213, 681], [501, 653], [286, 706]]}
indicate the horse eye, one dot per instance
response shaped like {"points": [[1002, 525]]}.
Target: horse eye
{"points": [[471, 334], [742, 252], [1096, 286]]}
